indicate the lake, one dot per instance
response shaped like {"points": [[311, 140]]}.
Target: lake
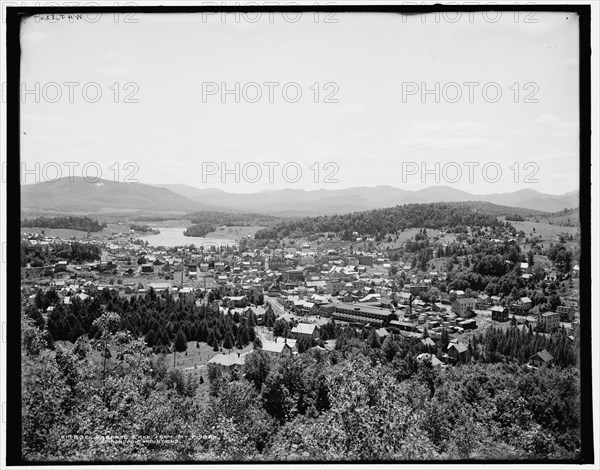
{"points": [[173, 236]]}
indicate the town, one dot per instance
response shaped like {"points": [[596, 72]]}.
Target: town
{"points": [[304, 291]]}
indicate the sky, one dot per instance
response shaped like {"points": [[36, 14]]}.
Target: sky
{"points": [[501, 113]]}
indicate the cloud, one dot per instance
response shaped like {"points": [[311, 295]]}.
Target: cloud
{"points": [[53, 121], [458, 143], [349, 108], [173, 166], [362, 134], [91, 138], [546, 119], [448, 126], [445, 135], [109, 55], [568, 126], [446, 143], [35, 138], [228, 145], [114, 70], [81, 151], [565, 156], [572, 61]]}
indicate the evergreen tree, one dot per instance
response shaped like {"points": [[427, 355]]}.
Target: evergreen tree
{"points": [[180, 344], [210, 338], [445, 339], [150, 338], [390, 348], [251, 334], [180, 341], [228, 341], [281, 328], [373, 340]]}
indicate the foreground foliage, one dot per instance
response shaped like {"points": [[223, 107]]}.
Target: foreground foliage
{"points": [[358, 402]]}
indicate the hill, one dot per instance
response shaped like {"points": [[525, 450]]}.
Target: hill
{"points": [[456, 217], [79, 194], [564, 218]]}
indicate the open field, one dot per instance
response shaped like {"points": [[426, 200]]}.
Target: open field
{"points": [[63, 233], [544, 230], [484, 321], [194, 360]]}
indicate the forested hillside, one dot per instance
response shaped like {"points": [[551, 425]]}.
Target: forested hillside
{"points": [[227, 218], [199, 230], [381, 222], [85, 224], [367, 399]]}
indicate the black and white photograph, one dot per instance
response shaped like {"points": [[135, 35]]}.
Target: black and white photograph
{"points": [[300, 233]]}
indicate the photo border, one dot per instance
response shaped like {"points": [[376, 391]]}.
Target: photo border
{"points": [[14, 16]]}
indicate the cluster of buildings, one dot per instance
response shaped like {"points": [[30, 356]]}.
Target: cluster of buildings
{"points": [[355, 288]]}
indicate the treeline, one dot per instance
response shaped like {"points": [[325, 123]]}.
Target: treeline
{"points": [[499, 210], [39, 255], [561, 256], [143, 228], [363, 401], [84, 224], [381, 222], [158, 319], [515, 218], [225, 218], [153, 218], [565, 218], [498, 345], [199, 230]]}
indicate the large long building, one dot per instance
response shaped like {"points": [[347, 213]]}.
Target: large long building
{"points": [[355, 313]]}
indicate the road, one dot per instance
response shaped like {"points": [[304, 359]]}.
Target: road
{"points": [[277, 307]]}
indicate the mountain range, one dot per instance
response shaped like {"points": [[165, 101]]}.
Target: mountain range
{"points": [[81, 195], [336, 201]]}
